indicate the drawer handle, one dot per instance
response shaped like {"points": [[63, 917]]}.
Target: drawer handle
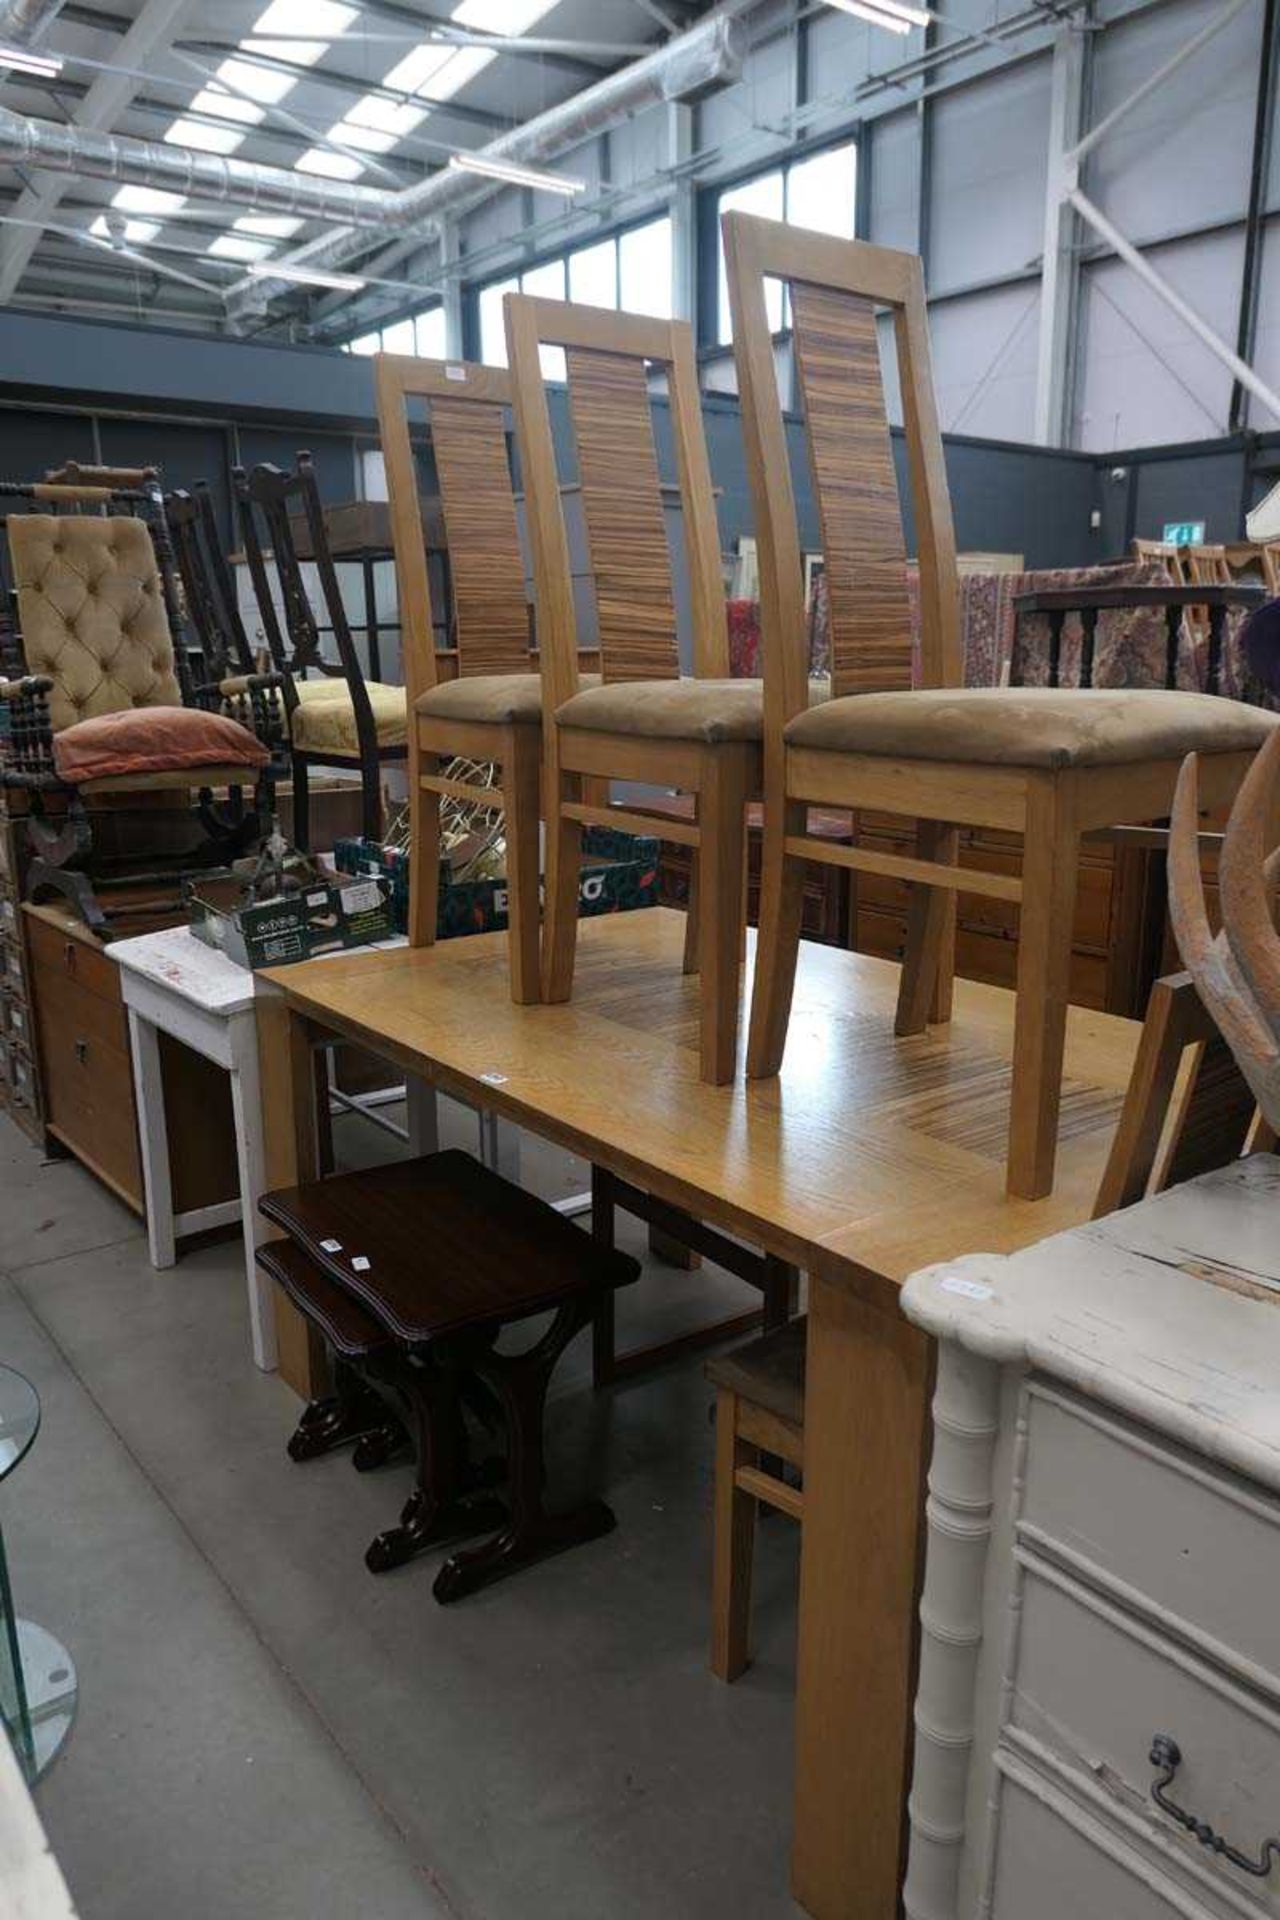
{"points": [[1166, 1754], [82, 1051]]}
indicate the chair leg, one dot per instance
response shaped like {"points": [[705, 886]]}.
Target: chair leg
{"points": [[424, 857], [560, 908], [1044, 967], [521, 805], [301, 806], [777, 940], [734, 1547], [371, 798], [725, 780], [928, 966]]}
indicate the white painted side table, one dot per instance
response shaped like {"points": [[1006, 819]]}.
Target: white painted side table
{"points": [[173, 983], [1098, 1707]]}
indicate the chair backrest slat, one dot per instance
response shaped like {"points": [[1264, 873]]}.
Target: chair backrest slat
{"points": [[608, 356], [622, 510], [836, 287], [865, 558], [466, 409], [1170, 556]]}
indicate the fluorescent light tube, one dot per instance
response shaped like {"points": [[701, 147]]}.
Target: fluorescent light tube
{"points": [[894, 14], [516, 175], [44, 65], [304, 275]]}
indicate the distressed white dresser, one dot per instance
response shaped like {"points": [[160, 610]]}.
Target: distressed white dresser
{"points": [[1101, 1607]]}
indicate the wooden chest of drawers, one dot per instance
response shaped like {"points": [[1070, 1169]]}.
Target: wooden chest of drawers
{"points": [[82, 1038], [1099, 1698]]}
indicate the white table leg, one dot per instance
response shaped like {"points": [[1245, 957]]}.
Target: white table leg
{"points": [[422, 1113], [153, 1139], [246, 1106]]}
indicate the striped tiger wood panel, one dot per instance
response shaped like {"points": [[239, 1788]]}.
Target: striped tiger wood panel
{"points": [[622, 509], [491, 607], [847, 424]]}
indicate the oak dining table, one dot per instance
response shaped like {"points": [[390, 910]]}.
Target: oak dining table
{"points": [[867, 1158]]}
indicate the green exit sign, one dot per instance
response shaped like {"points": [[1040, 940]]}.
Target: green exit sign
{"points": [[1184, 533]]}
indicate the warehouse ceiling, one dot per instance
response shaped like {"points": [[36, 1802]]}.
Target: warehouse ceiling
{"points": [[376, 92]]}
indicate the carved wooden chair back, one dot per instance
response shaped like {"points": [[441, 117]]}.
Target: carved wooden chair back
{"points": [[609, 361], [208, 584], [1171, 557], [835, 288], [466, 409]]}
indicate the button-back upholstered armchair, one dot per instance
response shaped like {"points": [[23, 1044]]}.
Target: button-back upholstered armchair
{"points": [[492, 710], [1048, 764], [339, 718], [95, 699]]}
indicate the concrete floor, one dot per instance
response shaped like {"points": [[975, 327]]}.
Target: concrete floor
{"points": [[267, 1730]]}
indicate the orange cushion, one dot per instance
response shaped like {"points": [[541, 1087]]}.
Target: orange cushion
{"points": [[153, 740]]}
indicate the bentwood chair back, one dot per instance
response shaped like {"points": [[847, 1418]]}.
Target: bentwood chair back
{"points": [[485, 705], [644, 722], [1045, 763]]}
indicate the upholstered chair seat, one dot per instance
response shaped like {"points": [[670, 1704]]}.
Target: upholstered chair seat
{"points": [[158, 746], [324, 721], [489, 699], [1032, 726], [692, 709]]}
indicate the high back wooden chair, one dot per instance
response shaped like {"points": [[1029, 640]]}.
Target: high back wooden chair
{"points": [[1173, 558], [338, 718], [644, 722], [1046, 763], [491, 709]]}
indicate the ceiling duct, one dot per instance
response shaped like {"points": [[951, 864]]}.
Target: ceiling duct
{"points": [[22, 22], [206, 176], [710, 55]]}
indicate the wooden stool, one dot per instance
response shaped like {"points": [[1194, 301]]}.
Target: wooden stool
{"points": [[439, 1255], [759, 1409]]}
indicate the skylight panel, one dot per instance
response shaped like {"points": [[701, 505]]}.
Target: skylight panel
{"points": [[147, 200], [372, 110], [333, 166], [225, 106], [327, 17], [194, 133], [463, 66], [238, 246], [501, 16], [276, 226], [261, 83], [418, 68]]}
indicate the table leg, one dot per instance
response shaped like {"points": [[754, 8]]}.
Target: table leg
{"points": [[866, 1426], [153, 1139], [287, 1090], [500, 1145], [422, 1113], [246, 1106]]}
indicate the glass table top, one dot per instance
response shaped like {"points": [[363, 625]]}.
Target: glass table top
{"points": [[19, 1418]]}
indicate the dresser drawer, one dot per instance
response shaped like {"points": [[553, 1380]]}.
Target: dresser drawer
{"points": [[62, 952], [1055, 1863], [1095, 1684], [1131, 1509]]}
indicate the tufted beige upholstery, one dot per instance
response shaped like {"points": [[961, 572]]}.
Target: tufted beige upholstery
{"points": [[1033, 726], [91, 614], [325, 721]]}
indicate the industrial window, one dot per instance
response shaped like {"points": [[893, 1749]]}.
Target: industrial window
{"points": [[632, 270], [818, 192], [420, 333]]}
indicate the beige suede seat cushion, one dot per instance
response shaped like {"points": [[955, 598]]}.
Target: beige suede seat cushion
{"points": [[489, 699], [704, 710], [325, 722], [1032, 726]]}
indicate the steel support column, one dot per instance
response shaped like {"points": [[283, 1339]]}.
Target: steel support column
{"points": [[1259, 172], [1060, 274]]}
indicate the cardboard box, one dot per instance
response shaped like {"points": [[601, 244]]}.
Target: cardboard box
{"points": [[299, 926]]}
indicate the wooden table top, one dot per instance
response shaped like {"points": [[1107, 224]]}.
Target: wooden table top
{"points": [[868, 1157]]}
